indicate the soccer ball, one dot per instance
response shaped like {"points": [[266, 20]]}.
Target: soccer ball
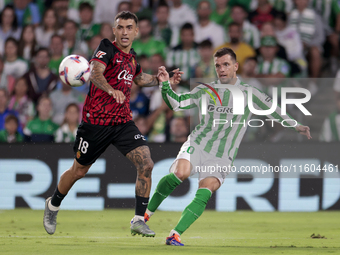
{"points": [[74, 70]]}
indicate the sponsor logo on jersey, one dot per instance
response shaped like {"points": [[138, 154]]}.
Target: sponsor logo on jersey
{"points": [[139, 136], [100, 54], [125, 75], [219, 109]]}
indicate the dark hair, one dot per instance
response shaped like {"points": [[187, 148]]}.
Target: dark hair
{"points": [[21, 45], [143, 56], [281, 16], [239, 6], [234, 24], [85, 5], [10, 117], [250, 58], [56, 36], [125, 15], [71, 21], [187, 26], [163, 4], [204, 1], [42, 49], [56, 25], [225, 51], [15, 20], [13, 40], [205, 44]]}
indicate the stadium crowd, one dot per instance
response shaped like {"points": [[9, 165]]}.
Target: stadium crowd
{"points": [[272, 39]]}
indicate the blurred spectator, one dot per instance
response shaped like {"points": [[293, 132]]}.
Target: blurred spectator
{"points": [[41, 128], [27, 43], [180, 14], [205, 67], [27, 12], [264, 13], [60, 7], [56, 48], [139, 103], [330, 12], [285, 6], [61, 99], [309, 24], [147, 44], [144, 63], [106, 32], [68, 129], [6, 81], [40, 78], [47, 28], [4, 110], [290, 39], [162, 29], [241, 49], [87, 27], [124, 6], [330, 131], [73, 8], [206, 29], [221, 14], [9, 24], [248, 74], [140, 10], [179, 130], [156, 61], [185, 55], [271, 69], [105, 11], [249, 5], [141, 123], [251, 34], [21, 103], [94, 42], [70, 43], [13, 65], [10, 134]]}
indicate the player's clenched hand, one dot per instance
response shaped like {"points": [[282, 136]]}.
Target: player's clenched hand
{"points": [[176, 79], [117, 95], [304, 130], [162, 74]]}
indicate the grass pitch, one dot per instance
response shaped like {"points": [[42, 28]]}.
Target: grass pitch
{"points": [[107, 232]]}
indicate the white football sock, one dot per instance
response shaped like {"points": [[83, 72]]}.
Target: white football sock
{"points": [[52, 207], [138, 217]]}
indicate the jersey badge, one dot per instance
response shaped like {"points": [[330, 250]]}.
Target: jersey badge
{"points": [[100, 54]]}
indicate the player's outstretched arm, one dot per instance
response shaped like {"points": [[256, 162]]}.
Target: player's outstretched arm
{"points": [[174, 101], [147, 80], [98, 79]]}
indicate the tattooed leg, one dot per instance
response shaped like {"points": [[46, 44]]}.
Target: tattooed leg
{"points": [[141, 158]]}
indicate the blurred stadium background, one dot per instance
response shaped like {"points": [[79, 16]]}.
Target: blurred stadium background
{"points": [[39, 115]]}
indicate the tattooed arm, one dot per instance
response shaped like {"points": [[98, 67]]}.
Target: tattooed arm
{"points": [[146, 80], [98, 79]]}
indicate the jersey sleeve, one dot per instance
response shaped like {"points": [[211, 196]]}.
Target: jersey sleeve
{"points": [[178, 102], [138, 70], [103, 53], [262, 101]]}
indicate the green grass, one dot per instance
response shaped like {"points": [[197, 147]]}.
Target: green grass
{"points": [[107, 232]]}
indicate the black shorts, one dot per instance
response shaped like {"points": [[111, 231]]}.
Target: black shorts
{"points": [[92, 140]]}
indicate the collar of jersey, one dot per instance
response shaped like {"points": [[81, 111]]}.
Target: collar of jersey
{"points": [[128, 54], [237, 83]]}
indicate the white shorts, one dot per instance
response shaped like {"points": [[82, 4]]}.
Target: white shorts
{"points": [[203, 163]]}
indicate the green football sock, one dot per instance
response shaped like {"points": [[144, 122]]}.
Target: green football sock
{"points": [[164, 188], [194, 210]]}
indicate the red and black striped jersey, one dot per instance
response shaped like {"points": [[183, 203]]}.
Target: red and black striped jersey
{"points": [[121, 68]]}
